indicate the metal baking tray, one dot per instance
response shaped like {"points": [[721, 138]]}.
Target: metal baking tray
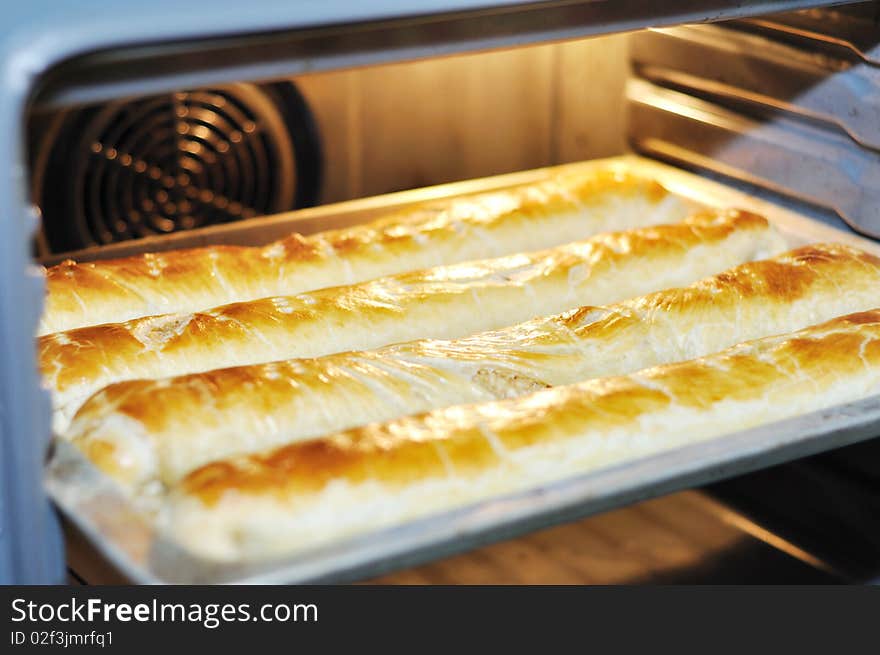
{"points": [[109, 535]]}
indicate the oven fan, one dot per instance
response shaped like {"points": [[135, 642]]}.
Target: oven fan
{"points": [[131, 169]]}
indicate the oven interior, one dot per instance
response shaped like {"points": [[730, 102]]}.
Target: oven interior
{"points": [[785, 106]]}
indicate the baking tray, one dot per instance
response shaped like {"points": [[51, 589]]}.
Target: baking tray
{"points": [[107, 533]]}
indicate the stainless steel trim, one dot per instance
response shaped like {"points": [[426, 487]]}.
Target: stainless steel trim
{"points": [[155, 68]]}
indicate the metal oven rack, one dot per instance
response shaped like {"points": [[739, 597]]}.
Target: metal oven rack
{"points": [[59, 55], [790, 102]]}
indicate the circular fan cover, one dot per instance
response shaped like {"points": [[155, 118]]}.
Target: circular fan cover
{"points": [[129, 169]]}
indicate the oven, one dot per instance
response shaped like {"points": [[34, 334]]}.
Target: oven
{"points": [[328, 115]]}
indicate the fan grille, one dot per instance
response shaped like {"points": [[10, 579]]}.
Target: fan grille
{"points": [[169, 163]]}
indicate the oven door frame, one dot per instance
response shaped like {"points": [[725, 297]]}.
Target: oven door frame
{"points": [[60, 56]]}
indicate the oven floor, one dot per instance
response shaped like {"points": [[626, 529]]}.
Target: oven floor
{"points": [[682, 538]]}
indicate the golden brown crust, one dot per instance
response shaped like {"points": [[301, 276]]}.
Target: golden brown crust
{"points": [[445, 302], [272, 502], [189, 420], [441, 232]]}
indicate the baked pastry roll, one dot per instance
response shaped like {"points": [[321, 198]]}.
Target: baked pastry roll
{"points": [[142, 431], [309, 493], [445, 302], [526, 217]]}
